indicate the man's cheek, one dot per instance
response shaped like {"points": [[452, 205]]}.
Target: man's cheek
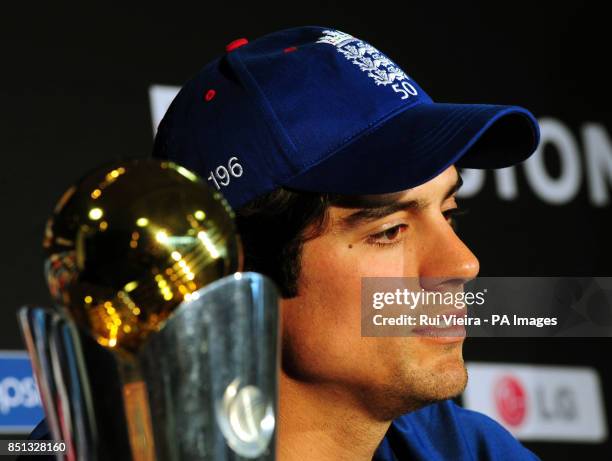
{"points": [[382, 262], [316, 354]]}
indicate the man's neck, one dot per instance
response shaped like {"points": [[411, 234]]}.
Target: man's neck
{"points": [[320, 422]]}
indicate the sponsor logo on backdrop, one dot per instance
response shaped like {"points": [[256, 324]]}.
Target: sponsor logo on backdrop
{"points": [[539, 403], [510, 401], [584, 166], [585, 161], [20, 405], [160, 97]]}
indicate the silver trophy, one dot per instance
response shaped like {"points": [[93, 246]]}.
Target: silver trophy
{"points": [[158, 349]]}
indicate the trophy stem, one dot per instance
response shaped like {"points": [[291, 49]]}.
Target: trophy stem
{"points": [[136, 407]]}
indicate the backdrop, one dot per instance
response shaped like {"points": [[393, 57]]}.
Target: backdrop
{"points": [[81, 86]]}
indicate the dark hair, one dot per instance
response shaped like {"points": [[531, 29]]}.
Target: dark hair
{"points": [[274, 228]]}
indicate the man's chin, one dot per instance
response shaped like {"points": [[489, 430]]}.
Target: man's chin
{"points": [[418, 388], [452, 383], [448, 378], [445, 385]]}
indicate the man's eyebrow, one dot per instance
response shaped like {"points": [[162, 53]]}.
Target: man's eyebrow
{"points": [[382, 209]]}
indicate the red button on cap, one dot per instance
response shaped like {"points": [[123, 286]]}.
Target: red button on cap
{"points": [[236, 44]]}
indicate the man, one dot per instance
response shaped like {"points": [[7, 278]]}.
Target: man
{"points": [[341, 167]]}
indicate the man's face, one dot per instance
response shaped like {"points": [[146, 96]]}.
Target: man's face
{"points": [[321, 332]]}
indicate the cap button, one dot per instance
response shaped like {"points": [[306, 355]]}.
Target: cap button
{"points": [[236, 44]]}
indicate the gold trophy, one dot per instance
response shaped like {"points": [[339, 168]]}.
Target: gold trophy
{"points": [[158, 349]]}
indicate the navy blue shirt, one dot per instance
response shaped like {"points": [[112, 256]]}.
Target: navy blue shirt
{"points": [[446, 431], [441, 431]]}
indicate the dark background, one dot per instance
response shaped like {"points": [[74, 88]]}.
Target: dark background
{"points": [[74, 94]]}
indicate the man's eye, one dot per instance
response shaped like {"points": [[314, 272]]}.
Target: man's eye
{"points": [[388, 236], [452, 214]]}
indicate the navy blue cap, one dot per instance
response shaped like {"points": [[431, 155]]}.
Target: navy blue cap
{"points": [[316, 109]]}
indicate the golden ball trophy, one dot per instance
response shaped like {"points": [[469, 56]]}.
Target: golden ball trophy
{"points": [[158, 347]]}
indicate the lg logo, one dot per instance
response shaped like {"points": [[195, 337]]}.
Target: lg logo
{"points": [[594, 166], [549, 403], [557, 404], [510, 400], [536, 402]]}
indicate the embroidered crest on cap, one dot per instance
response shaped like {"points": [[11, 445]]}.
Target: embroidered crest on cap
{"points": [[366, 57]]}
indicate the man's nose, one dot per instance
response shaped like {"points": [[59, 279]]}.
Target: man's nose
{"points": [[444, 260]]}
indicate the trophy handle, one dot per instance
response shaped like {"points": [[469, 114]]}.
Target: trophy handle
{"points": [[35, 327], [59, 370], [70, 368]]}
